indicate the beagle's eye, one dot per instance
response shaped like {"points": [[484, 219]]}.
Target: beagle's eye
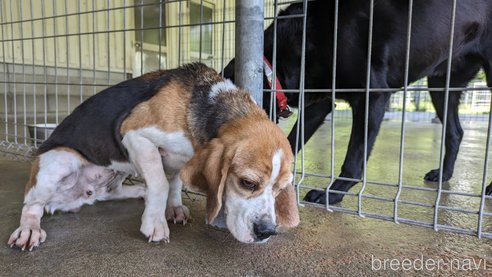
{"points": [[248, 185]]}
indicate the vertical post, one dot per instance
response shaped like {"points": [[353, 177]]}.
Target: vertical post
{"points": [[248, 70]]}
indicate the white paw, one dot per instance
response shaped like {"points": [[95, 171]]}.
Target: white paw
{"points": [[27, 237], [155, 228], [178, 214]]}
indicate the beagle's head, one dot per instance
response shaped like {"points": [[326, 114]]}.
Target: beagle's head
{"points": [[246, 171]]}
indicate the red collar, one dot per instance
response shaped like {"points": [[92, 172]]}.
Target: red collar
{"points": [[280, 96]]}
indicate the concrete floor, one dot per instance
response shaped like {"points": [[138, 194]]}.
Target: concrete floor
{"points": [[104, 239]]}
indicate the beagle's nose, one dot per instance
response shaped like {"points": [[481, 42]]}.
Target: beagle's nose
{"points": [[264, 230]]}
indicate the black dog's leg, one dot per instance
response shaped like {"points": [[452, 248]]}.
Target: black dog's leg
{"points": [[488, 73], [352, 167], [454, 132], [314, 116]]}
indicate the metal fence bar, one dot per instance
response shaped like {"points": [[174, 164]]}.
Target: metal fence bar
{"points": [[79, 26], [85, 12], [222, 53], [445, 114], [415, 203], [14, 78], [55, 31], [485, 173], [405, 90], [249, 47], [6, 78], [124, 41], [200, 32], [273, 109], [141, 37], [362, 90], [379, 198], [35, 119], [367, 99], [462, 231], [283, 90], [67, 46], [24, 90], [160, 32], [300, 117], [407, 187], [333, 97], [118, 31], [179, 32], [461, 210], [108, 42], [93, 48], [45, 76]]}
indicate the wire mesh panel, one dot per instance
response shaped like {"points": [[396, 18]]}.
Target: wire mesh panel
{"points": [[54, 54], [391, 184]]}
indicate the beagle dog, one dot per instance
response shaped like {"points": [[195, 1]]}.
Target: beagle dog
{"points": [[186, 125]]}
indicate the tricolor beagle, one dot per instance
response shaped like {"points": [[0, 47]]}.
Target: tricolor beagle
{"points": [[186, 125]]}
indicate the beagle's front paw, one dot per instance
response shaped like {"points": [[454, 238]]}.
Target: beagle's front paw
{"points": [[155, 228], [27, 237], [178, 214]]}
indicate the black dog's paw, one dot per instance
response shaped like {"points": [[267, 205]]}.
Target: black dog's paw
{"points": [[433, 176], [488, 191], [319, 197], [335, 198], [315, 196]]}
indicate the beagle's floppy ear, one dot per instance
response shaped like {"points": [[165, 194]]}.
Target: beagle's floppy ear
{"points": [[286, 209], [206, 172]]}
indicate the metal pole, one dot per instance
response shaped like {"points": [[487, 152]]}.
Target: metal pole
{"points": [[249, 47]]}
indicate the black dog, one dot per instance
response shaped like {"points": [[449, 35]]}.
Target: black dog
{"points": [[431, 25]]}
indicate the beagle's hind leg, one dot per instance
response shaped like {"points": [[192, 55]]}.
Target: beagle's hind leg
{"points": [[48, 174]]}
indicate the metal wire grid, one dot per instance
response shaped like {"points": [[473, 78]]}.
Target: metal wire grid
{"points": [[100, 45], [30, 81], [357, 209]]}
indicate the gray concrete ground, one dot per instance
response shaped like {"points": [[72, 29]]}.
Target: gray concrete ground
{"points": [[104, 239]]}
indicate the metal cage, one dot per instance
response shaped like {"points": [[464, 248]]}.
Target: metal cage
{"points": [[56, 53]]}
